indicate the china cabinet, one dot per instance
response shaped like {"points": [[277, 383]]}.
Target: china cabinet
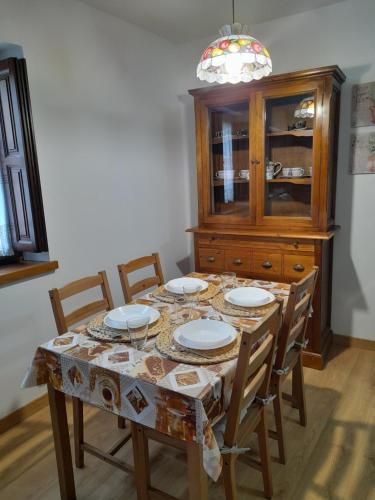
{"points": [[266, 170]]}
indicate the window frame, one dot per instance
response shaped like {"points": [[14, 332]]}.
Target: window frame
{"points": [[29, 203], [17, 268]]}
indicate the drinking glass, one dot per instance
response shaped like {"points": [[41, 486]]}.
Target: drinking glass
{"points": [[175, 316], [191, 295], [138, 331], [228, 280]]}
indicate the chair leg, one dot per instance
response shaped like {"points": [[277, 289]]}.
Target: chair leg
{"points": [[229, 477], [121, 422], [262, 431], [298, 382], [295, 391], [78, 432], [279, 423]]}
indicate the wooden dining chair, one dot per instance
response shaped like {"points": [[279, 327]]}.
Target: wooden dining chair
{"points": [[246, 414], [134, 265], [63, 323], [291, 343]]}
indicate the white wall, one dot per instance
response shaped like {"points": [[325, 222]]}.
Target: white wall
{"points": [[341, 34], [107, 124]]}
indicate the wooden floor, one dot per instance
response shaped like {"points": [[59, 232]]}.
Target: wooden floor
{"points": [[333, 458]]}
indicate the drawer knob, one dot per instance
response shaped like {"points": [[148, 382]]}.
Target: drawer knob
{"points": [[210, 259], [237, 262], [299, 268], [267, 264]]}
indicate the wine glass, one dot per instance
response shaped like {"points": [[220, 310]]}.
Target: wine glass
{"points": [[191, 295], [228, 280], [138, 330]]}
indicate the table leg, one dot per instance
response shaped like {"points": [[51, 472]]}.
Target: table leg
{"points": [[141, 461], [198, 484], [62, 443]]}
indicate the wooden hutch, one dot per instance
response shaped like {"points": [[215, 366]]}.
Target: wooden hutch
{"points": [[266, 168]]}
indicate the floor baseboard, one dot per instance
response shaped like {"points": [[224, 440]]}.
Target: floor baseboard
{"points": [[21, 414], [347, 341]]}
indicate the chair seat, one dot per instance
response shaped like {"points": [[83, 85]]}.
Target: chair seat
{"points": [[219, 428]]}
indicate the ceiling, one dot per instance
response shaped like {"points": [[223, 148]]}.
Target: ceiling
{"points": [[185, 20]]}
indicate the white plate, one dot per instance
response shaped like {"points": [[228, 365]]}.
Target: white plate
{"points": [[205, 334], [118, 318], [249, 296], [176, 286]]}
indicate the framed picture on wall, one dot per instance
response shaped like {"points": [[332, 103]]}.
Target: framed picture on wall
{"points": [[363, 153], [363, 105]]}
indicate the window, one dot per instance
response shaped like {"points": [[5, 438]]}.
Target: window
{"points": [[22, 225]]}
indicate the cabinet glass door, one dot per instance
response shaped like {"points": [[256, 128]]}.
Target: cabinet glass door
{"points": [[289, 156], [229, 159]]}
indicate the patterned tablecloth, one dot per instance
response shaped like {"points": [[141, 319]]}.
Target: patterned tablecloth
{"points": [[183, 401]]}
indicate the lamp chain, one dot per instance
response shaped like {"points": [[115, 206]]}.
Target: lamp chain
{"points": [[233, 10]]}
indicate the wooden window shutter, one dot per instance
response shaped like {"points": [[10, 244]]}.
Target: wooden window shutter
{"points": [[18, 159]]}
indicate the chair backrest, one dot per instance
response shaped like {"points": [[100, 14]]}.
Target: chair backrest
{"points": [[253, 372], [296, 316], [57, 295], [134, 265]]}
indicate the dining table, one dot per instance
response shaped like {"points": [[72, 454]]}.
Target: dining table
{"points": [[148, 387]]}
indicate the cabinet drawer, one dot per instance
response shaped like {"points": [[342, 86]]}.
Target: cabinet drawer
{"points": [[258, 244], [297, 266], [292, 246], [211, 258], [266, 263], [237, 260]]}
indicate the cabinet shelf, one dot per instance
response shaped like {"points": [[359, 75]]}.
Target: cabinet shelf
{"points": [[293, 133], [239, 209], [220, 182], [219, 140], [291, 180]]}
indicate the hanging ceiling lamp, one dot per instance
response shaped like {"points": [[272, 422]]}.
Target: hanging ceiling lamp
{"points": [[234, 57], [306, 108]]}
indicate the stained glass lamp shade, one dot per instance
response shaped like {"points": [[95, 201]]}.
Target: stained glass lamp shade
{"points": [[306, 108], [234, 57]]}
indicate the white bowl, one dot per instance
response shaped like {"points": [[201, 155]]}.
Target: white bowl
{"points": [[118, 318], [176, 286], [205, 334], [249, 296]]}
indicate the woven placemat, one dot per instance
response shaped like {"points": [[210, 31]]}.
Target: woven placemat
{"points": [[164, 296], [166, 346], [220, 304], [98, 330]]}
